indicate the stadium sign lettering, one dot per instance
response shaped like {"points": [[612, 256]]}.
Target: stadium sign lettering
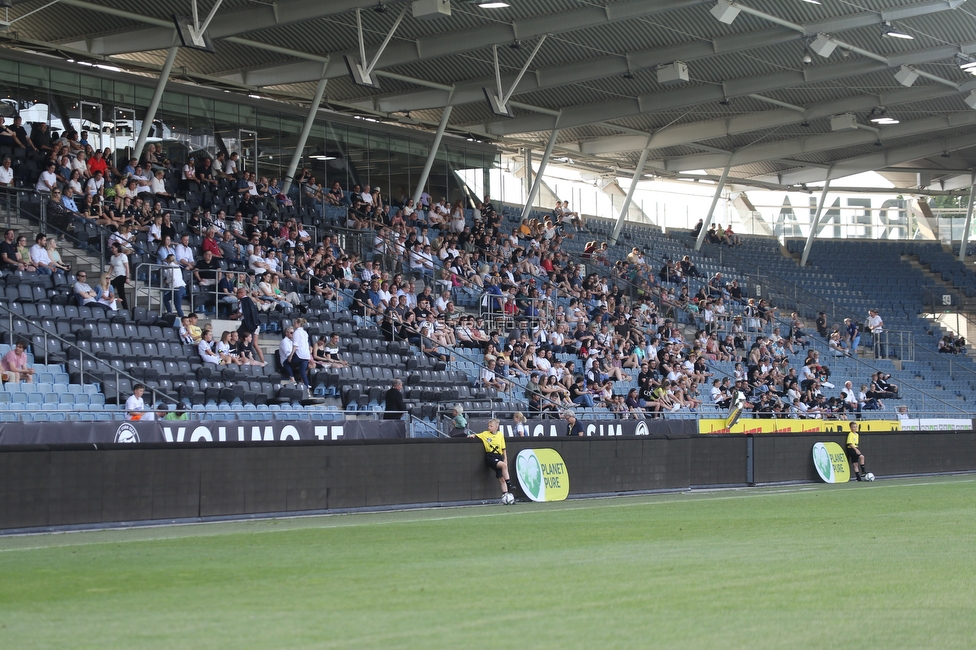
{"points": [[602, 430], [830, 462], [542, 474]]}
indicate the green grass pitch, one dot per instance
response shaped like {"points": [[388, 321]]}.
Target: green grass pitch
{"points": [[885, 565]]}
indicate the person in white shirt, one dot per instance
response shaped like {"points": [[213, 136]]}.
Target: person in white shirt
{"points": [[286, 350], [96, 184], [6, 173], [135, 406], [48, 180], [206, 348], [142, 181], [231, 167], [367, 196], [184, 253], [303, 352], [158, 185], [39, 256]]}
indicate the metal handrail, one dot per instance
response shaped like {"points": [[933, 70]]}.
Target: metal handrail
{"points": [[82, 354]]}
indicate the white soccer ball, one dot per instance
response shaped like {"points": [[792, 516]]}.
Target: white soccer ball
{"points": [[869, 476], [508, 498]]}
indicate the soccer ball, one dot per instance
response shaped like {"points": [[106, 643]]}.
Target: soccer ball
{"points": [[508, 498], [869, 476]]}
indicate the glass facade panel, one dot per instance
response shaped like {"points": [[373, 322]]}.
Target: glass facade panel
{"points": [[113, 109]]}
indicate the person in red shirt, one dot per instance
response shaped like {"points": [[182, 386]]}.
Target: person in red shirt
{"points": [[97, 164], [210, 243]]}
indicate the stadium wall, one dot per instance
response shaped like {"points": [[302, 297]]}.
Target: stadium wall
{"points": [[62, 486]]}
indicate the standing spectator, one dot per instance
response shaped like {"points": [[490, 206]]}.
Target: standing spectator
{"points": [[15, 364], [249, 320], [854, 453], [119, 265], [174, 286], [853, 333], [876, 326], [573, 426], [303, 352], [395, 406], [286, 351], [135, 406]]}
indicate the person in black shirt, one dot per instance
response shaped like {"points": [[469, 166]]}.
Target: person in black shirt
{"points": [[395, 405], [41, 137], [8, 252], [166, 229], [573, 426], [360, 302]]}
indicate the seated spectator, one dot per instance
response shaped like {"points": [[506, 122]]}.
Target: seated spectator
{"points": [[225, 349], [15, 366], [106, 293], [83, 291], [135, 406], [207, 350], [8, 252]]}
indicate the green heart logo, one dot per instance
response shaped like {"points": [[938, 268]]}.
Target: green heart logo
{"points": [[822, 459], [530, 474]]}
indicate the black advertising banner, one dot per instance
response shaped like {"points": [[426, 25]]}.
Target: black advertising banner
{"points": [[196, 431], [594, 428]]}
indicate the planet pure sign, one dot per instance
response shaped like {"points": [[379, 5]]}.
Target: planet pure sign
{"points": [[542, 474], [831, 462]]}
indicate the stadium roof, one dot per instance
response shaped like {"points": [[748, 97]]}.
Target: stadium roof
{"points": [[782, 91]]}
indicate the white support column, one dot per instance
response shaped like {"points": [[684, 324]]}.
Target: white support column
{"points": [[630, 193], [296, 157], [711, 211], [815, 226], [969, 221], [537, 183], [154, 103], [434, 146], [527, 176]]}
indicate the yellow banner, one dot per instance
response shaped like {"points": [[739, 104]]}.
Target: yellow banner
{"points": [[831, 462], [796, 426], [543, 475]]}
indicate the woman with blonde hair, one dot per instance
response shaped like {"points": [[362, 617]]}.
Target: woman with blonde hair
{"points": [[52, 252], [521, 424], [106, 292]]}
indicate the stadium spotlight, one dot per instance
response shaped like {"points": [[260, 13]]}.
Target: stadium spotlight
{"points": [[823, 45], [971, 99], [891, 32], [725, 12], [906, 76]]}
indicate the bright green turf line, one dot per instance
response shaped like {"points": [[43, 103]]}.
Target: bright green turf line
{"points": [[887, 565]]}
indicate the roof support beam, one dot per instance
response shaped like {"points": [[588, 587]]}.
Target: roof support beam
{"points": [[630, 194], [815, 226], [257, 17], [154, 102], [600, 67], [537, 183], [824, 142], [711, 211], [434, 146], [719, 128], [969, 220], [582, 115], [879, 160], [296, 157]]}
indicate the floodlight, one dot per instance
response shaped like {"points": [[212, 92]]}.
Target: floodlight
{"points": [[725, 12], [906, 76], [823, 45]]}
